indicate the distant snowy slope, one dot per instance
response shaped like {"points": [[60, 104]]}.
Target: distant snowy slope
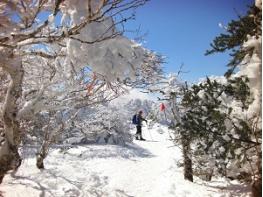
{"points": [[132, 94], [140, 169]]}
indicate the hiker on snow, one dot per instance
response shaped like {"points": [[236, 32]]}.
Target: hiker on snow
{"points": [[139, 120]]}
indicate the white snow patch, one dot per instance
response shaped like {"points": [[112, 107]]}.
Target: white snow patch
{"points": [[140, 169]]}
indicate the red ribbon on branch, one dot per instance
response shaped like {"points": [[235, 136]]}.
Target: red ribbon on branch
{"points": [[162, 107]]}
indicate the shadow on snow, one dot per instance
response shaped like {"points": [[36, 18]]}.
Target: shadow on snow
{"points": [[94, 186]]}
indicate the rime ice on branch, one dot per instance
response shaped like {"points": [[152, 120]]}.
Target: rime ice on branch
{"points": [[50, 51]]}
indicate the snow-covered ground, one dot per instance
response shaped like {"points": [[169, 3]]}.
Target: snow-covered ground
{"points": [[143, 169]]}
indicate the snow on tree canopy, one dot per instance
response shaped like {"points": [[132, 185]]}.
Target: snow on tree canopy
{"points": [[74, 11], [86, 29], [64, 54], [107, 52], [251, 67], [113, 58], [61, 43], [258, 3]]}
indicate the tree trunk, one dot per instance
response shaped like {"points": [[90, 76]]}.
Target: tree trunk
{"points": [[9, 156], [257, 182], [40, 161], [257, 188], [49, 138], [42, 153], [188, 171]]}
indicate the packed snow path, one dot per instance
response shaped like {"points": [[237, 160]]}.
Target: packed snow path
{"points": [[143, 169]]}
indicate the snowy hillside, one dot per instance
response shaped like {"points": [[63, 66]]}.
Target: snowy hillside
{"points": [[140, 169]]}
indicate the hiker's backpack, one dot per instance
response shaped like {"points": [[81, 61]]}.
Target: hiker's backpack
{"points": [[134, 119]]}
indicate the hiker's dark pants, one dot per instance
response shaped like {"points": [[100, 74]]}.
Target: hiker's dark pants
{"points": [[139, 131]]}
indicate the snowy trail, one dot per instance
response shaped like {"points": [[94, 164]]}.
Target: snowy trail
{"points": [[147, 175], [141, 169]]}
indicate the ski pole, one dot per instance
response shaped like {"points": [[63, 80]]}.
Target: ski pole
{"points": [[149, 131]]}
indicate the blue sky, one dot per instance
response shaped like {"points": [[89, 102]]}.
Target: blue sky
{"points": [[183, 29]]}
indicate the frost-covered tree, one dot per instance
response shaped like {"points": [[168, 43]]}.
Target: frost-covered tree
{"points": [[243, 39], [219, 122], [223, 117], [237, 32], [60, 54], [105, 124], [221, 135], [171, 90], [110, 123]]}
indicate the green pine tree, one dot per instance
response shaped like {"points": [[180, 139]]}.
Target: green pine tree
{"points": [[236, 34]]}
